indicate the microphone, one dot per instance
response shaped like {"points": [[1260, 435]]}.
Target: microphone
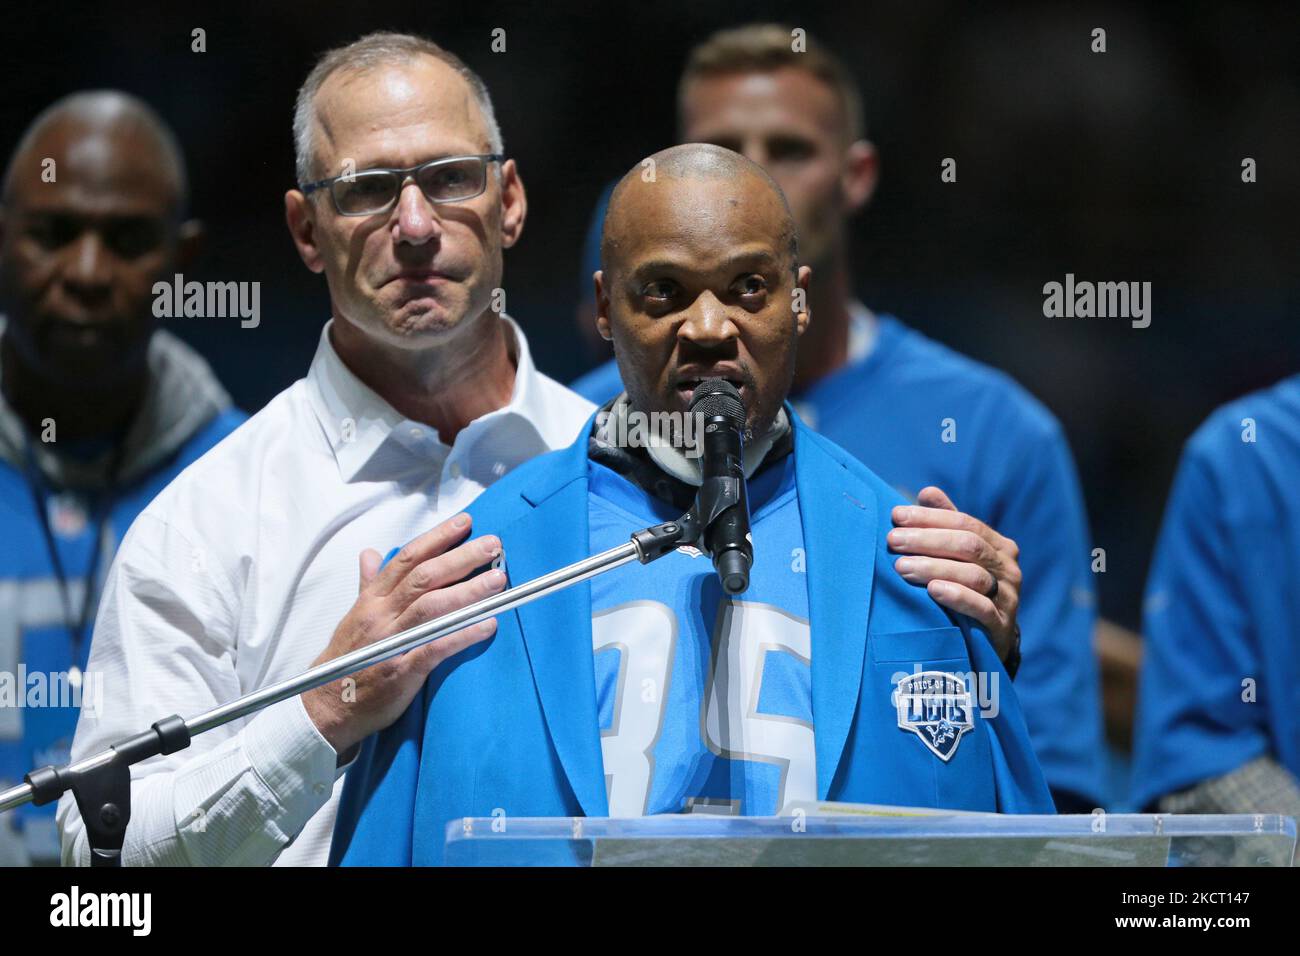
{"points": [[722, 503]]}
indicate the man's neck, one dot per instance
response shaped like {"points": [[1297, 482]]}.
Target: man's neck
{"points": [[824, 347], [446, 386], [78, 414]]}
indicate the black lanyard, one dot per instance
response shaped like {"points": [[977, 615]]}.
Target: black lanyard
{"points": [[102, 507]]}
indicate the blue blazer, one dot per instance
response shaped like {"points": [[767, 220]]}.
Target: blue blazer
{"points": [[510, 725]]}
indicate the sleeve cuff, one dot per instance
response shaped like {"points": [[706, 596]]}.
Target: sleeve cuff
{"points": [[292, 759]]}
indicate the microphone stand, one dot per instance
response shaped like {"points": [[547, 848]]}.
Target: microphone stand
{"points": [[101, 783]]}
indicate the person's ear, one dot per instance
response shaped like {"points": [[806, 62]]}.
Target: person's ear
{"points": [[301, 219], [861, 173], [803, 280], [191, 237], [602, 307], [514, 204]]}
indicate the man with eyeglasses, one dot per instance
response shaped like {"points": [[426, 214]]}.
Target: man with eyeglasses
{"points": [[420, 395], [372, 192]]}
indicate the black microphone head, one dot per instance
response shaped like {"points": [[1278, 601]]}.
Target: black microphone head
{"points": [[717, 396]]}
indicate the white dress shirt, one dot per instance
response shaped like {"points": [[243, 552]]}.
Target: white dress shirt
{"points": [[236, 576]]}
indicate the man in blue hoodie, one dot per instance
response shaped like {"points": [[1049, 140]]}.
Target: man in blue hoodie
{"points": [[99, 409], [648, 690]]}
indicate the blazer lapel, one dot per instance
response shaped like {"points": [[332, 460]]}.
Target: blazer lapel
{"points": [[557, 628], [839, 528]]}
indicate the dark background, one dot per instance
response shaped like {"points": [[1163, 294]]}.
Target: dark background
{"points": [[1122, 166]]}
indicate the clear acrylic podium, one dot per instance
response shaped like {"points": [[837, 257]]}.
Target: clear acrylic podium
{"points": [[958, 840]]}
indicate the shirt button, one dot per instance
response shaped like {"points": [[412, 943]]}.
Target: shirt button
{"points": [[319, 788], [455, 469], [416, 433]]}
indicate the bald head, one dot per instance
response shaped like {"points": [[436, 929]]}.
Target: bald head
{"points": [[700, 280], [92, 217], [713, 168], [83, 130]]}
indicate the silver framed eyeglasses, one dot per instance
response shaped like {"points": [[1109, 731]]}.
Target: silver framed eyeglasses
{"points": [[374, 191]]}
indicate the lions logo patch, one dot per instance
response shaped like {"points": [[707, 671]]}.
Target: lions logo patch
{"points": [[935, 706]]}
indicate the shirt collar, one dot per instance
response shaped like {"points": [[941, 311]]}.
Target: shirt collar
{"points": [[357, 422]]}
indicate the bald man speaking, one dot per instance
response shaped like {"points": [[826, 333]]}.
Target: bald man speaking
{"points": [[648, 689]]}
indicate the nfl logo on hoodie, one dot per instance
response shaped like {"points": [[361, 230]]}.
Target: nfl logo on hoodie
{"points": [[936, 706]]}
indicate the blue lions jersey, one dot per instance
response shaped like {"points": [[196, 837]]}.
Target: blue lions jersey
{"points": [[917, 413], [695, 702], [1220, 681], [38, 703], [704, 701]]}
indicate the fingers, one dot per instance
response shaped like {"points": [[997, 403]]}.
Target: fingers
{"points": [[934, 497], [445, 569], [428, 545], [942, 543], [959, 559], [370, 559], [913, 516], [921, 571], [442, 601], [963, 600], [424, 659]]}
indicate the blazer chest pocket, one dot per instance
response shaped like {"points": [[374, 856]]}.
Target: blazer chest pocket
{"points": [[931, 704], [932, 644]]}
